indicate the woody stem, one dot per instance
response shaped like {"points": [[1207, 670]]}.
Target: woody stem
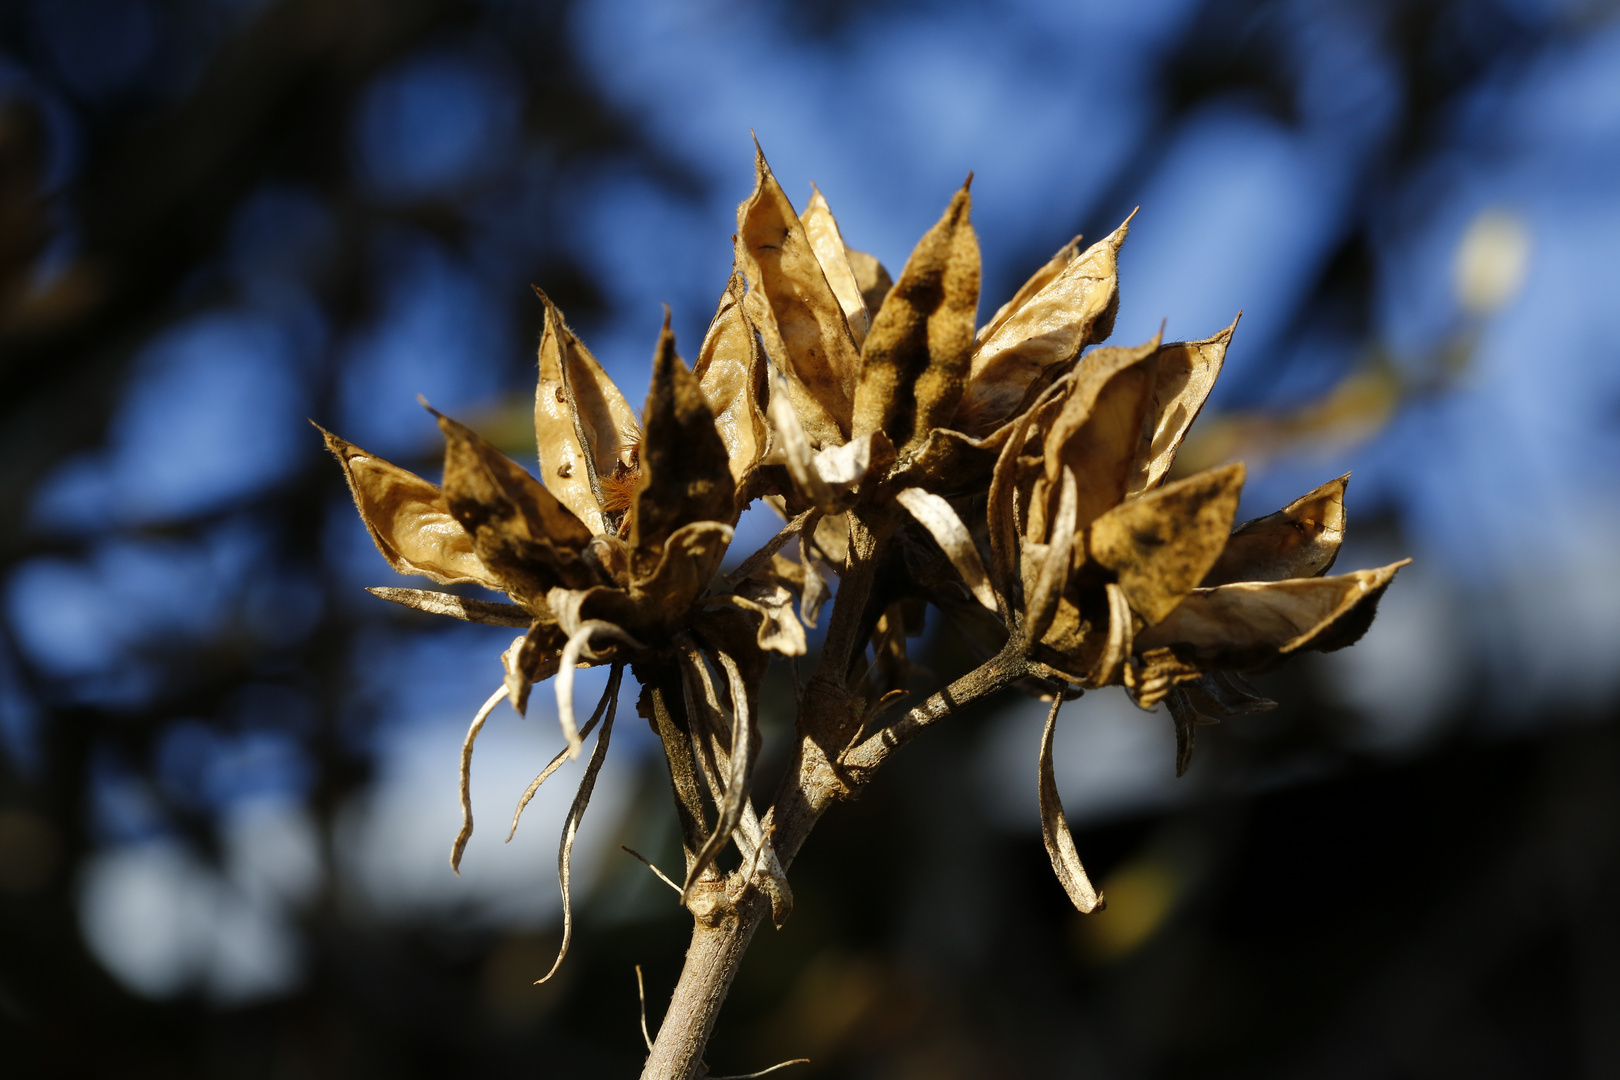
{"points": [[720, 939]]}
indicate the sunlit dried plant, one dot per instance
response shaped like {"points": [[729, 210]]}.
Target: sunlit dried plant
{"points": [[1003, 474]]}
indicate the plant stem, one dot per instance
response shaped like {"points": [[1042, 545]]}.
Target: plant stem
{"points": [[718, 943], [712, 960]]}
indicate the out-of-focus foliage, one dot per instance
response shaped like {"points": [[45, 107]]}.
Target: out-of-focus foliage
{"points": [[228, 773]]}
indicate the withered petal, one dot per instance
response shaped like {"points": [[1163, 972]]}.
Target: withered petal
{"points": [[1185, 374], [1162, 544], [1300, 540], [779, 630], [914, 366], [409, 519]]}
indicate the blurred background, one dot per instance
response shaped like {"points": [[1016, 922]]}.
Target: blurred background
{"points": [[228, 775]]}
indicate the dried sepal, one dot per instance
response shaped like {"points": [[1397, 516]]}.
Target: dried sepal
{"points": [[1152, 673], [585, 430], [1071, 874], [800, 318], [578, 646], [685, 469], [576, 814], [477, 725], [1161, 545], [828, 243], [1300, 540], [736, 757], [409, 519], [731, 370], [949, 462], [609, 693], [690, 560], [779, 630], [1252, 625], [1219, 694], [1042, 335], [816, 591], [1183, 377], [488, 612], [519, 529], [914, 366], [936, 515], [533, 658]]}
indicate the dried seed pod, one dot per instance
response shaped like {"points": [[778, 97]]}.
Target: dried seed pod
{"points": [[798, 314], [1183, 377], [914, 365], [685, 468], [1163, 544], [409, 519], [828, 243], [586, 432], [1041, 335], [731, 370], [1300, 540]]}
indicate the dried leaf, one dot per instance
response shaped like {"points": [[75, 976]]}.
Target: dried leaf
{"points": [[1183, 378], [1073, 310], [1300, 540], [685, 470], [1252, 625], [1034, 284], [801, 315], [843, 468], [519, 529], [731, 370], [565, 850], [488, 612], [1162, 544], [585, 429], [477, 725], [935, 514], [914, 366], [1096, 432], [609, 694], [792, 444], [409, 519], [1055, 829], [828, 243], [678, 756]]}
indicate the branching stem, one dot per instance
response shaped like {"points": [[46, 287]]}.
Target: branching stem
{"points": [[823, 772]]}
